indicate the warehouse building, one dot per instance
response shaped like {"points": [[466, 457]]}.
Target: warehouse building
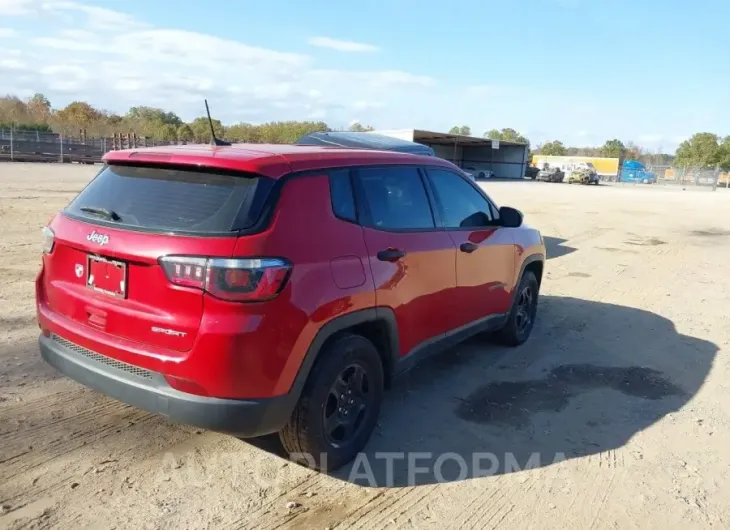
{"points": [[504, 159]]}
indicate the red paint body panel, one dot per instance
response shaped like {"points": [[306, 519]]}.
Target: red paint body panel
{"points": [[273, 161], [419, 287], [484, 277], [230, 349], [131, 318]]}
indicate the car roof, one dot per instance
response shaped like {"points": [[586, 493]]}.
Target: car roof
{"points": [[271, 160]]}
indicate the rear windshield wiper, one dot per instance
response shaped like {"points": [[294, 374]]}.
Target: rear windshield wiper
{"points": [[101, 212]]}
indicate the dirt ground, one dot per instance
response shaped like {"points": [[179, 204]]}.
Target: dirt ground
{"points": [[613, 415]]}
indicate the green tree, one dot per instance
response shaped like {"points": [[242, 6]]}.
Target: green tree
{"points": [[613, 149], [201, 129], [185, 133], [724, 158], [78, 114], [464, 130], [153, 114], [166, 132], [13, 111], [554, 148], [702, 150], [634, 151], [506, 135], [39, 108], [358, 127], [244, 132]]}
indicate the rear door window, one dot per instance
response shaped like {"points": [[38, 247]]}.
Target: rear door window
{"points": [[395, 199], [172, 200]]}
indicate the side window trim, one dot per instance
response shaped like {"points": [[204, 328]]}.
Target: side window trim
{"points": [[493, 212], [333, 174], [432, 201], [364, 215]]}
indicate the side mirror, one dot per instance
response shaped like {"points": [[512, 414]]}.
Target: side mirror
{"points": [[510, 217]]}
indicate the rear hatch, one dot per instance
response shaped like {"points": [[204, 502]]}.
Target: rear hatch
{"points": [[104, 269]]}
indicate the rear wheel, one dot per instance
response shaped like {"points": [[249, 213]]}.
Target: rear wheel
{"points": [[522, 315], [339, 406]]}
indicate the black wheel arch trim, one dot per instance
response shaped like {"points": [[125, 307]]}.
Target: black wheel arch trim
{"points": [[532, 258], [342, 323]]}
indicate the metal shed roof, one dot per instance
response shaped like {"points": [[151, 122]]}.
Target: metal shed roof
{"points": [[364, 140], [432, 137]]}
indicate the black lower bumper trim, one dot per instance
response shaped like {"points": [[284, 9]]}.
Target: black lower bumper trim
{"points": [[243, 418]]}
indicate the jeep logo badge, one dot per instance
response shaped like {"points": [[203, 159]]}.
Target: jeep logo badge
{"points": [[101, 239]]}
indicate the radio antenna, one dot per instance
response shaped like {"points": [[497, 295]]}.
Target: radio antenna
{"points": [[213, 139]]}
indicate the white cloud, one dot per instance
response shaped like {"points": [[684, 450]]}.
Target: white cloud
{"points": [[342, 45], [8, 33], [366, 105], [12, 64], [99, 18], [16, 7], [115, 61]]}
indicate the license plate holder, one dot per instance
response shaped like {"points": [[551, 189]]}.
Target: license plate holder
{"points": [[106, 276]]}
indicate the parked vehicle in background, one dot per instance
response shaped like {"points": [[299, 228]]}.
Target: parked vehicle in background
{"points": [[478, 174], [531, 172], [253, 289], [635, 171], [551, 174], [582, 175], [606, 168]]}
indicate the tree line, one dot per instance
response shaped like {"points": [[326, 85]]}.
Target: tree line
{"points": [[36, 113], [701, 150]]}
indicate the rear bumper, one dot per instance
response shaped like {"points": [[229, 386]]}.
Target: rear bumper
{"points": [[149, 391]]}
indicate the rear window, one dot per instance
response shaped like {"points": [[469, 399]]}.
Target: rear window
{"points": [[172, 200]]}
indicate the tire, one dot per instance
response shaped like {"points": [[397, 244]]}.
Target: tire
{"points": [[308, 433], [516, 331]]}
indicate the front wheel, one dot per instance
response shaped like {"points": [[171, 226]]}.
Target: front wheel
{"points": [[339, 406], [521, 318]]}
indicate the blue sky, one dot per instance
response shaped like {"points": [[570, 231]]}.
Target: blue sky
{"points": [[581, 71]]}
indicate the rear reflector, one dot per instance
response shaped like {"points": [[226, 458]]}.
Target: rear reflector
{"points": [[239, 280], [48, 240]]}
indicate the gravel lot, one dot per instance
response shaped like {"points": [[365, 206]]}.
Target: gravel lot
{"points": [[622, 393]]}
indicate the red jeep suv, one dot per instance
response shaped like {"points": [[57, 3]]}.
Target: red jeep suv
{"points": [[253, 289]]}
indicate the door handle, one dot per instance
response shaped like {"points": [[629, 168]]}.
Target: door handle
{"points": [[468, 247], [391, 254]]}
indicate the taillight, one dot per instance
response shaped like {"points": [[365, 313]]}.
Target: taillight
{"points": [[237, 279], [185, 271], [48, 240]]}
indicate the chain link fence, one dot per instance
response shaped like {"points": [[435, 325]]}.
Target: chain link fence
{"points": [[706, 178], [38, 146], [680, 177]]}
